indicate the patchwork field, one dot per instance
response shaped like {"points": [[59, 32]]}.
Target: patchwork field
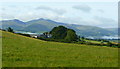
{"points": [[21, 51]]}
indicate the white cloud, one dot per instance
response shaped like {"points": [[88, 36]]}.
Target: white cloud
{"points": [[58, 11], [6, 16], [84, 8]]}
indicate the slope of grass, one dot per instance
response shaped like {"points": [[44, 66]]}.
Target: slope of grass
{"points": [[21, 51], [0, 49]]}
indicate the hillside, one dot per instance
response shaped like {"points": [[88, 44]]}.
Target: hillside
{"points": [[16, 24], [21, 51], [115, 30], [0, 49], [43, 25]]}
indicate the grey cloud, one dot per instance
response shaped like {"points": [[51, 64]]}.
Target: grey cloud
{"points": [[106, 22], [44, 8], [96, 21], [84, 8], [3, 9], [100, 10], [55, 10]]}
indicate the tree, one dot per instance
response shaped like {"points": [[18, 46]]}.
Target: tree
{"points": [[62, 33], [59, 32], [71, 35], [10, 30]]}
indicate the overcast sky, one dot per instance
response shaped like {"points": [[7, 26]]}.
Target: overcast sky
{"points": [[101, 14]]}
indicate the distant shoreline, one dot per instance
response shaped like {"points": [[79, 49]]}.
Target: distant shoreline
{"points": [[90, 37]]}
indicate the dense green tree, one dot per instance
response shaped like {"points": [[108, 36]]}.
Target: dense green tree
{"points": [[10, 30], [59, 32], [71, 35]]}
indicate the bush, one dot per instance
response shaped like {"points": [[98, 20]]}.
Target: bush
{"points": [[10, 30]]}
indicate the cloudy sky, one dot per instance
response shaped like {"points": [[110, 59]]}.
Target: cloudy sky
{"points": [[101, 14]]}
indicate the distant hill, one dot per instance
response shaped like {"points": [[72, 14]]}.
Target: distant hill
{"points": [[45, 22], [114, 30], [15, 24], [43, 25], [36, 28]]}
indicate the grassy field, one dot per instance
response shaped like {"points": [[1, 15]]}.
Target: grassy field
{"points": [[99, 42], [21, 51], [0, 49], [93, 41]]}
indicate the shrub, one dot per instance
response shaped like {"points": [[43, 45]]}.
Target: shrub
{"points": [[10, 30]]}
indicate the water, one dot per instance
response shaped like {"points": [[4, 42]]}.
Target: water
{"points": [[110, 37], [104, 37], [23, 32]]}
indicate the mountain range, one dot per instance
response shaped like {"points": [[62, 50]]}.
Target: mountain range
{"points": [[43, 25]]}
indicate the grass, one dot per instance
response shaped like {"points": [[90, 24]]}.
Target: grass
{"points": [[0, 49], [99, 42], [93, 41], [21, 51]]}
